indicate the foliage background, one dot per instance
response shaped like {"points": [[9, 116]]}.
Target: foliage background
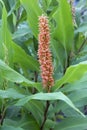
{"points": [[22, 97]]}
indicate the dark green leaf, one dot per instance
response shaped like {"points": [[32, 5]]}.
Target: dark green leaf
{"points": [[10, 128]]}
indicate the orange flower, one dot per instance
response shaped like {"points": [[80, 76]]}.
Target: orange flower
{"points": [[44, 54]]}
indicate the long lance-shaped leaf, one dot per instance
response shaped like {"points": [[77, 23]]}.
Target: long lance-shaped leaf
{"points": [[13, 76], [48, 96], [5, 38], [14, 52], [64, 31], [33, 11], [25, 60], [73, 73], [72, 124], [11, 93]]}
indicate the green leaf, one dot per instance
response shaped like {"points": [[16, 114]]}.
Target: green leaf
{"points": [[64, 31], [82, 84], [45, 4], [10, 128], [73, 86], [12, 50], [58, 51], [24, 59], [26, 122], [33, 11], [10, 93], [73, 73], [72, 124], [79, 98], [76, 96], [48, 96], [49, 124], [82, 28], [10, 74], [6, 38], [22, 32], [37, 110], [0, 10], [13, 76]]}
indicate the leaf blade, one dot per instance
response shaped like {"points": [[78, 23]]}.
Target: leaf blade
{"points": [[33, 11], [13, 76], [48, 96], [72, 124], [73, 73], [64, 31]]}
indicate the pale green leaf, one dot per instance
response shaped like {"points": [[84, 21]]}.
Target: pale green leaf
{"points": [[6, 38], [13, 76], [33, 12], [77, 97], [24, 59], [82, 28], [64, 31], [10, 93], [13, 52], [48, 96], [73, 73]]}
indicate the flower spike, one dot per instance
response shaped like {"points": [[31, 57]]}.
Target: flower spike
{"points": [[44, 54]]}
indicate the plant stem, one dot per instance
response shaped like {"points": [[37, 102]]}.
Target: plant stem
{"points": [[35, 80], [2, 115], [67, 64], [85, 40], [36, 76], [45, 115]]}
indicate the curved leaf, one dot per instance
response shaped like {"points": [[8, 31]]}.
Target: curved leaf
{"points": [[82, 28], [64, 31], [48, 96], [73, 73], [24, 59], [10, 93], [33, 11], [5, 41], [13, 76], [15, 52], [72, 124]]}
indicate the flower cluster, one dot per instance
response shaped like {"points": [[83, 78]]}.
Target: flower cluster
{"points": [[44, 54]]}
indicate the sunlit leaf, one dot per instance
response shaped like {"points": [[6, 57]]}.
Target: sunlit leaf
{"points": [[73, 73], [33, 12], [10, 93], [13, 76], [48, 96], [64, 32]]}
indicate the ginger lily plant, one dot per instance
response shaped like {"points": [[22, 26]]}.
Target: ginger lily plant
{"points": [[44, 86]]}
